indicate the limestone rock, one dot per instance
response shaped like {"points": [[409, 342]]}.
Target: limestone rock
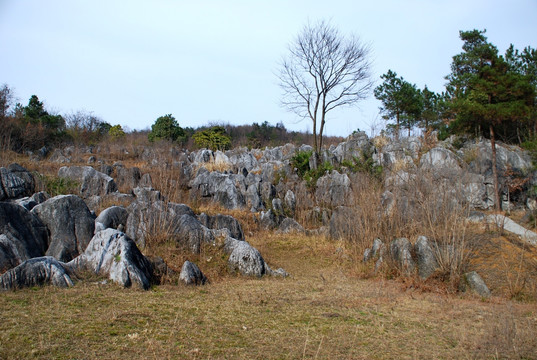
{"points": [[70, 224], [34, 272], [473, 281], [426, 260], [401, 253], [191, 274], [92, 182], [111, 217], [23, 237], [113, 254], [219, 221]]}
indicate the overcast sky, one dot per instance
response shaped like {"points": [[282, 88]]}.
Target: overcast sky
{"points": [[206, 61]]}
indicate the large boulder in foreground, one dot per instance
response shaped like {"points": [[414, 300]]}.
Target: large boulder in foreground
{"points": [[70, 223], [23, 236], [113, 254], [34, 272], [92, 182]]}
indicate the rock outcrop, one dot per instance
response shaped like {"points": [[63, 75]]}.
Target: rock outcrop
{"points": [[113, 254], [70, 224], [35, 272]]}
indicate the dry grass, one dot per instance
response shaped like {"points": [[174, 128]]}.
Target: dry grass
{"points": [[322, 311]]}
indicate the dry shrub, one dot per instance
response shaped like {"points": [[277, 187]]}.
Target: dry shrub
{"points": [[424, 205]]}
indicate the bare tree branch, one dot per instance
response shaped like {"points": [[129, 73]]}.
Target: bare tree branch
{"points": [[324, 71]]}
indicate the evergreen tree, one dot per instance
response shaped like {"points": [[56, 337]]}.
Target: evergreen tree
{"points": [[401, 101], [485, 92]]}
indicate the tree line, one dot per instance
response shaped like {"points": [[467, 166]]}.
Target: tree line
{"points": [[487, 94], [31, 127]]}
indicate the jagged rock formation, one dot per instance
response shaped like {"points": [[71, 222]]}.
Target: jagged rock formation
{"points": [[113, 254]]}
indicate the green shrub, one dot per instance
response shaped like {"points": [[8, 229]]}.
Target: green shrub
{"points": [[214, 138], [301, 162], [58, 186]]}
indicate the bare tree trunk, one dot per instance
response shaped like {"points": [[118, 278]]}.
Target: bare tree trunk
{"points": [[494, 169]]}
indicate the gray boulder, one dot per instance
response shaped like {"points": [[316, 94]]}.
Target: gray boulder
{"points": [[245, 259], [144, 219], [128, 178], [474, 282], [334, 190], [354, 146], [25, 175], [147, 195], [425, 257], [70, 224], [290, 226], [92, 182], [111, 217], [219, 221], [401, 253], [189, 232], [289, 202], [191, 274], [376, 251], [269, 220], [23, 237], [35, 272], [341, 223], [180, 209], [113, 254], [225, 189], [12, 186]]}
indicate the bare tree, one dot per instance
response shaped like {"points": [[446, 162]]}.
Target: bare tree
{"points": [[323, 71]]}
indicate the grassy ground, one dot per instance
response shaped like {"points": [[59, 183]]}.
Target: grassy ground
{"points": [[324, 310]]}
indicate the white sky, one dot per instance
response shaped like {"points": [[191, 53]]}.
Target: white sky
{"points": [[205, 61]]}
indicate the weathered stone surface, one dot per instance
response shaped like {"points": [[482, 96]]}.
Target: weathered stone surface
{"points": [[111, 217], [219, 221], [245, 258], [188, 231], [128, 178], [290, 226], [509, 225], [113, 254], [191, 274], [341, 223], [26, 176], [92, 182], [147, 195], [474, 282], [334, 190], [439, 159], [35, 272], [12, 186], [145, 217], [224, 189], [24, 236], [401, 253], [375, 252], [180, 209], [269, 220], [426, 260], [354, 146], [70, 224], [289, 202]]}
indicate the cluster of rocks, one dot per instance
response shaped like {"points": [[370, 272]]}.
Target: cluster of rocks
{"points": [[421, 258], [50, 240]]}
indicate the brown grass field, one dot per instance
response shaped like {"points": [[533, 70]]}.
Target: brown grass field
{"points": [[326, 309]]}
